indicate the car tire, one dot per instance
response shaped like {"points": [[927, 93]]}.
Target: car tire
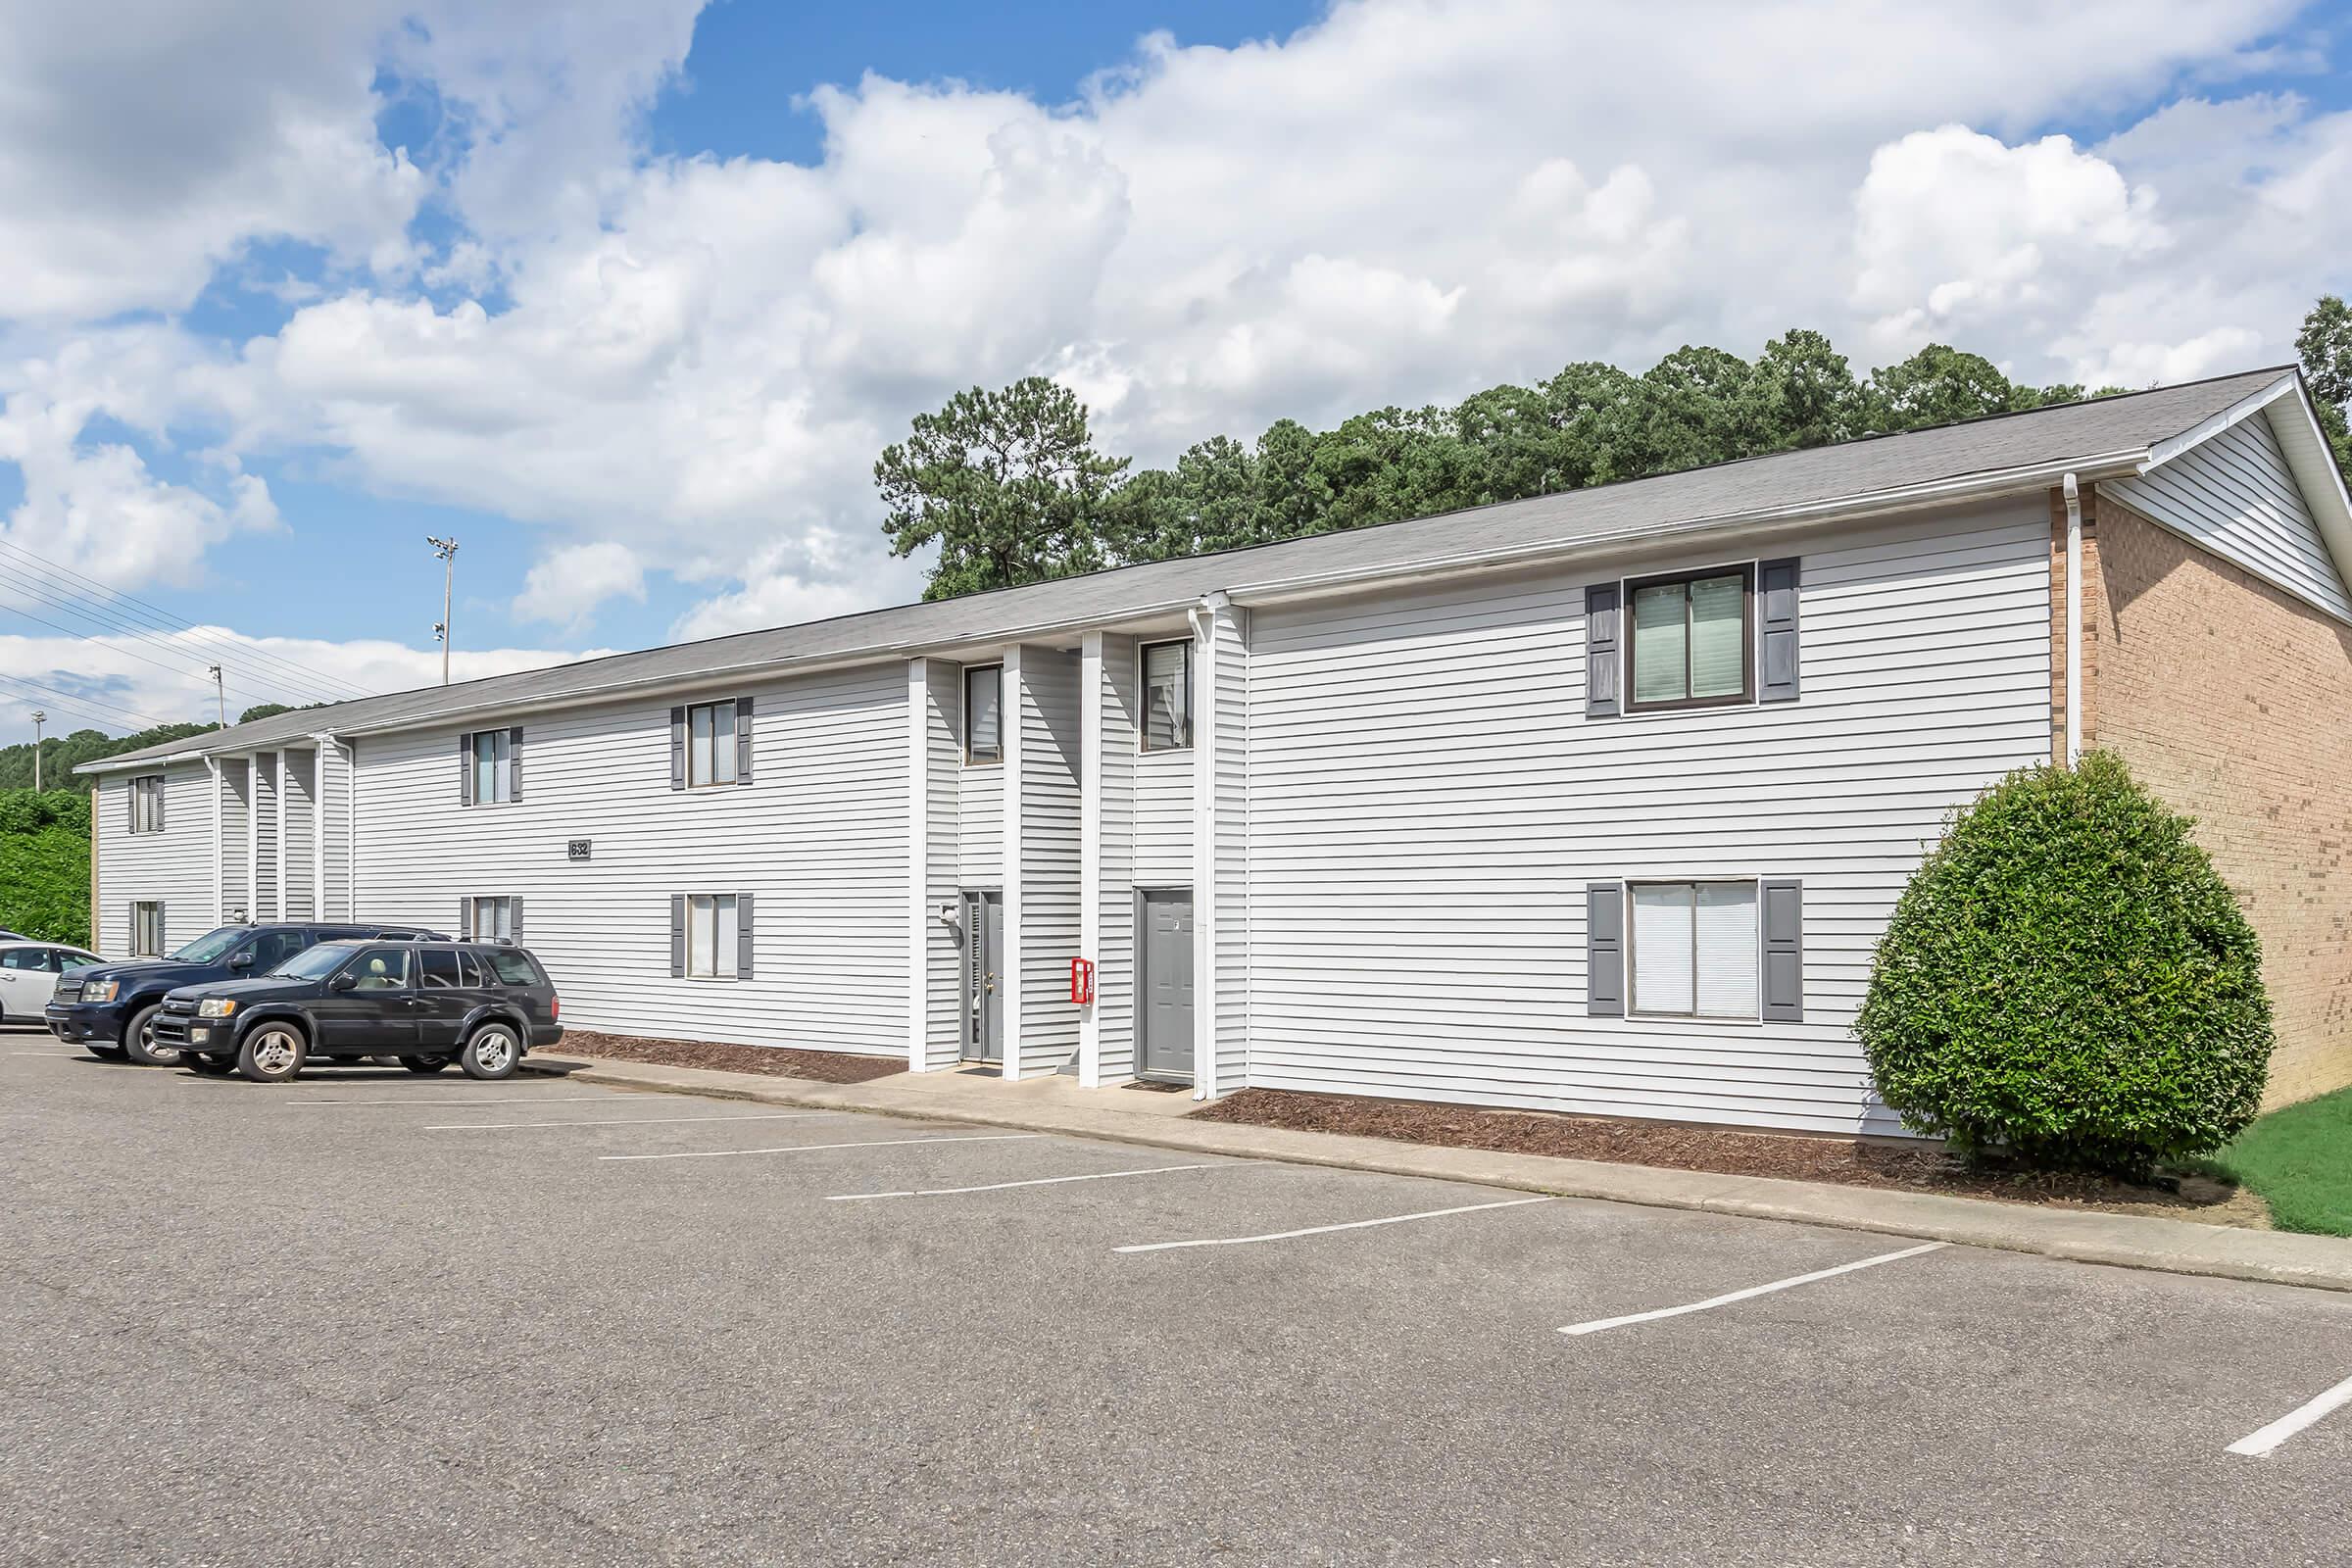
{"points": [[424, 1064], [206, 1066], [105, 1053], [138, 1040], [272, 1053], [491, 1052]]}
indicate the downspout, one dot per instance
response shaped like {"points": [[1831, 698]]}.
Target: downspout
{"points": [[2073, 492]]}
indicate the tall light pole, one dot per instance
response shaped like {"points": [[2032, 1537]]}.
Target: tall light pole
{"points": [[38, 719], [447, 550], [221, 694]]}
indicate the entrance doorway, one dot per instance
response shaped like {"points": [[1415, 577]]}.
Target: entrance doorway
{"points": [[1164, 944], [983, 968]]}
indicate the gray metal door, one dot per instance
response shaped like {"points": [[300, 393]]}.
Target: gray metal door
{"points": [[1164, 940], [984, 961]]}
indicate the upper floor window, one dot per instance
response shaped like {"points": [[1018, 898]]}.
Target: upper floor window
{"points": [[147, 804], [492, 765], [1693, 642], [710, 744], [984, 714], [1167, 695]]}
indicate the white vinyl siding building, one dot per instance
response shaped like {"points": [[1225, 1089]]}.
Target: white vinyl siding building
{"points": [[156, 846], [1595, 803]]}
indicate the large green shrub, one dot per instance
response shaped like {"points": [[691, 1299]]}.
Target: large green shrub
{"points": [[2068, 978], [45, 865]]}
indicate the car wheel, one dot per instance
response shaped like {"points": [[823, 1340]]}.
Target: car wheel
{"points": [[491, 1052], [271, 1054], [209, 1066], [105, 1053], [424, 1064], [138, 1041]]}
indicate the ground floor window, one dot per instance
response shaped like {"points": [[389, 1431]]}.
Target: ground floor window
{"points": [[1695, 949], [146, 929], [711, 935], [490, 918]]}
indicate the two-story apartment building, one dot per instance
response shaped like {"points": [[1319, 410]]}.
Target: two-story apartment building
{"points": [[1597, 802]]}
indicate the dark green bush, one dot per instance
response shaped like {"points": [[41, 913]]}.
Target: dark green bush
{"points": [[2068, 978], [45, 865]]}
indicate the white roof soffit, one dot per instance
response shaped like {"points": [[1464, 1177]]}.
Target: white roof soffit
{"points": [[2296, 424]]}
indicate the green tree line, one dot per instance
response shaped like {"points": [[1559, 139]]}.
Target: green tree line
{"points": [[1012, 487], [62, 754]]}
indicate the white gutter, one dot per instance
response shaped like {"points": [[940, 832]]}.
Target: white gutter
{"points": [[1871, 503], [2073, 619]]}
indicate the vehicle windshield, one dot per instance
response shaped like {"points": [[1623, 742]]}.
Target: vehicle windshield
{"points": [[315, 964], [211, 945]]}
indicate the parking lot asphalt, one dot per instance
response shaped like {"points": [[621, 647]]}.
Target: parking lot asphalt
{"points": [[375, 1318]]}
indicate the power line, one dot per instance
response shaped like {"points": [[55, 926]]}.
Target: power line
{"points": [[98, 720], [120, 632], [145, 620], [119, 647], [76, 697]]}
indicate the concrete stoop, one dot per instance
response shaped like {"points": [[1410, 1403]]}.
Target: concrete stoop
{"points": [[1056, 1105]]}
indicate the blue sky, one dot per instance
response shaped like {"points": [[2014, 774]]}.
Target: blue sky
{"points": [[627, 295]]}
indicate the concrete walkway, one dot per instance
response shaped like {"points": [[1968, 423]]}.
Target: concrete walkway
{"points": [[1157, 1119]]}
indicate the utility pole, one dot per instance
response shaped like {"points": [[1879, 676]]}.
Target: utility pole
{"points": [[221, 694], [447, 550], [38, 719]]}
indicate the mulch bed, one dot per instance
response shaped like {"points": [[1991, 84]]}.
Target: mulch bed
{"points": [[1851, 1161], [777, 1062]]}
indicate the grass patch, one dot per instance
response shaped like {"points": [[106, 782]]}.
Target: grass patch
{"points": [[2299, 1158]]}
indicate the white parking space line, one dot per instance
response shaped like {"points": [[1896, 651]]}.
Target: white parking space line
{"points": [[618, 1121], [413, 1103], [1711, 1302], [1325, 1230], [998, 1187], [811, 1148], [2254, 1445]]}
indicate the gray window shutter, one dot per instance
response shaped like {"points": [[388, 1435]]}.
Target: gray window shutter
{"points": [[742, 740], [130, 805], [1776, 613], [515, 763], [677, 747], [160, 793], [742, 936], [465, 919], [1600, 650], [466, 769], [677, 934], [1604, 947], [514, 917], [161, 945], [1784, 899]]}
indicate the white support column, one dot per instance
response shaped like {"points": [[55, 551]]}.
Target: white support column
{"points": [[253, 836], [919, 868], [277, 797], [1009, 720], [211, 772], [1204, 847], [318, 827], [351, 828], [1090, 847]]}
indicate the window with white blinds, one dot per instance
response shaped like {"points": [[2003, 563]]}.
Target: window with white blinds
{"points": [[711, 936], [1691, 640], [1695, 949]]}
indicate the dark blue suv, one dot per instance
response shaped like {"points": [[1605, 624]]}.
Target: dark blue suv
{"points": [[111, 1008]]}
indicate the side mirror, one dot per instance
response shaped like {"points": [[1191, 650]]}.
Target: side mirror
{"points": [[241, 960], [344, 981]]}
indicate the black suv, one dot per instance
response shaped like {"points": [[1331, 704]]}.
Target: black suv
{"points": [[112, 1009], [481, 1005]]}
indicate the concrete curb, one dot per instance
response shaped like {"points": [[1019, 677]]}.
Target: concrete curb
{"points": [[2122, 1241]]}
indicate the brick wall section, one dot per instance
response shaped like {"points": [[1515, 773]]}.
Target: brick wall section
{"points": [[2231, 700]]}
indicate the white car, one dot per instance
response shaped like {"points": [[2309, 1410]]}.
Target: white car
{"points": [[28, 972]]}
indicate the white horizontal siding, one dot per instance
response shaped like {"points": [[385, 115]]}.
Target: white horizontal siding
{"points": [[1426, 801], [820, 838], [298, 811], [267, 785], [236, 787], [940, 694], [173, 866], [1163, 818], [1043, 697], [980, 823], [1114, 891], [2236, 496], [335, 805]]}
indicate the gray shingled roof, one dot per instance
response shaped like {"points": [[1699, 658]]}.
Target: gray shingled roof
{"points": [[1855, 469]]}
